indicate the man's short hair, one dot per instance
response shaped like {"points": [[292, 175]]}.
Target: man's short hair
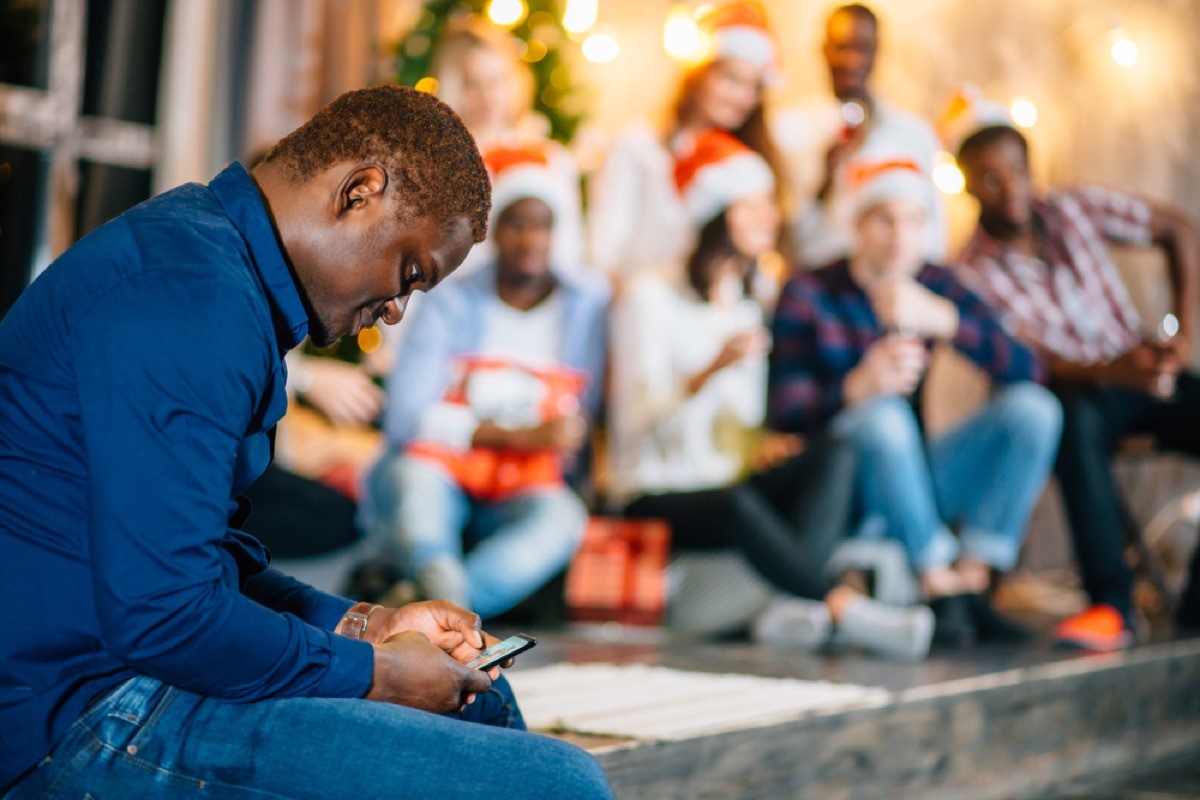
{"points": [[986, 137], [857, 10], [423, 145]]}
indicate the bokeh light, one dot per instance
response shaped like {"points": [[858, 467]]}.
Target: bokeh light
{"points": [[1023, 112], [601, 48], [947, 177], [507, 13]]}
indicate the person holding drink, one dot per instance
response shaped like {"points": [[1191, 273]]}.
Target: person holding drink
{"points": [[1040, 260], [851, 347]]}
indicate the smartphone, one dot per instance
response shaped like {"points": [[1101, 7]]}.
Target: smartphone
{"points": [[502, 651]]}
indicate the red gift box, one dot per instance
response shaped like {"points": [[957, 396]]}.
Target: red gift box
{"points": [[619, 572]]}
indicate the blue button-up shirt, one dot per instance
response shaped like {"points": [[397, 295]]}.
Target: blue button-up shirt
{"points": [[140, 376]]}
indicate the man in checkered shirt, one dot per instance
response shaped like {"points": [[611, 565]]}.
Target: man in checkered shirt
{"points": [[1041, 261]]}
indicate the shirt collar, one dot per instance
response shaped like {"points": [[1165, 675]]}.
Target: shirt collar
{"points": [[984, 244], [239, 196]]}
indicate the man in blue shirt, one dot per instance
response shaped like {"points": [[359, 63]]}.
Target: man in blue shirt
{"points": [[145, 646]]}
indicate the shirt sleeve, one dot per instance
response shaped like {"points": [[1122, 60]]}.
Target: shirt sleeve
{"points": [[171, 369], [981, 336], [1121, 218], [284, 593], [801, 394]]}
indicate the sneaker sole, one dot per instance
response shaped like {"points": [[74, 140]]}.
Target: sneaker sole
{"points": [[1097, 643]]}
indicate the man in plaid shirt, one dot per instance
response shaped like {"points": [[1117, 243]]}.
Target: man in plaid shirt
{"points": [[1042, 263], [851, 346]]}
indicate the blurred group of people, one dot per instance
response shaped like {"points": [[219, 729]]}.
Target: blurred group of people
{"points": [[748, 310]]}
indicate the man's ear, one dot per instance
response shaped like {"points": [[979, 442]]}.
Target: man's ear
{"points": [[362, 185]]}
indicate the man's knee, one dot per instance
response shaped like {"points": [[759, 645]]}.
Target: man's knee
{"points": [[573, 772], [881, 424], [1083, 417], [1031, 413]]}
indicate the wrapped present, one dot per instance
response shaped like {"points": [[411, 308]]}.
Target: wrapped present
{"points": [[619, 572]]}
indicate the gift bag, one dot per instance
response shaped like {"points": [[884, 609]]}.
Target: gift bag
{"points": [[619, 572]]}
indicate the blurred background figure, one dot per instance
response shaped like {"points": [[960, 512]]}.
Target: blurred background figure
{"points": [[1041, 260], [820, 138], [480, 75], [636, 218], [851, 348], [689, 395], [489, 405]]}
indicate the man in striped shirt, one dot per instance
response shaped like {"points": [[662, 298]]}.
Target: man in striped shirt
{"points": [[1042, 263]]}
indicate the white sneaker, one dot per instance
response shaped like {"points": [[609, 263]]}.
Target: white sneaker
{"points": [[899, 632], [793, 622]]}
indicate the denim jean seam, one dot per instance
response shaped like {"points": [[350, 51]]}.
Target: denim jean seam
{"points": [[509, 714], [74, 765], [149, 766], [155, 716]]}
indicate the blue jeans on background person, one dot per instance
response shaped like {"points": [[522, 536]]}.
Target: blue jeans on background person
{"points": [[145, 739], [984, 476], [485, 556]]}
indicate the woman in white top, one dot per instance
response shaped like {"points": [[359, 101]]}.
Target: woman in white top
{"points": [[688, 400], [635, 218]]}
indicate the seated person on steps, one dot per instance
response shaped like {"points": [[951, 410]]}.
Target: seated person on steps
{"points": [[852, 342], [146, 645], [488, 403], [1041, 261], [689, 395]]}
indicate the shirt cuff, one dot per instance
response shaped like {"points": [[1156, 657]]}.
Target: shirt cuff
{"points": [[351, 668]]}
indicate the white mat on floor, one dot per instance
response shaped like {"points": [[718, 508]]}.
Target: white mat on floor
{"points": [[643, 702]]}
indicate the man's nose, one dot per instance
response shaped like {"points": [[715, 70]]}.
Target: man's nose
{"points": [[393, 310]]}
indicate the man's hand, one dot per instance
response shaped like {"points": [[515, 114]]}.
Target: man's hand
{"points": [[1180, 346], [564, 434], [891, 365], [410, 671], [903, 304], [1143, 367], [837, 156], [447, 626]]}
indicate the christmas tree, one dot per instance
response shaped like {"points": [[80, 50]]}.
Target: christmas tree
{"points": [[540, 32]]}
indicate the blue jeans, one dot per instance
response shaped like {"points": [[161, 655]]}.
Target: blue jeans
{"points": [[984, 476], [144, 739], [502, 551]]}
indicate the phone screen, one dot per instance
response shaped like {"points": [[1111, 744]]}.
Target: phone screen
{"points": [[502, 651]]}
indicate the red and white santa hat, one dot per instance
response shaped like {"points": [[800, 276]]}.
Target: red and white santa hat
{"points": [[967, 112], [876, 181], [717, 170], [739, 30], [521, 172]]}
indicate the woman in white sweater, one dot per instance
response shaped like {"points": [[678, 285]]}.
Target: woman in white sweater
{"points": [[688, 400], [635, 219]]}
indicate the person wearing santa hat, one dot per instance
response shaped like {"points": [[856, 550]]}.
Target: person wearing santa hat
{"points": [[820, 138], [636, 219], [688, 397], [1041, 260], [487, 407], [480, 74], [851, 346]]}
